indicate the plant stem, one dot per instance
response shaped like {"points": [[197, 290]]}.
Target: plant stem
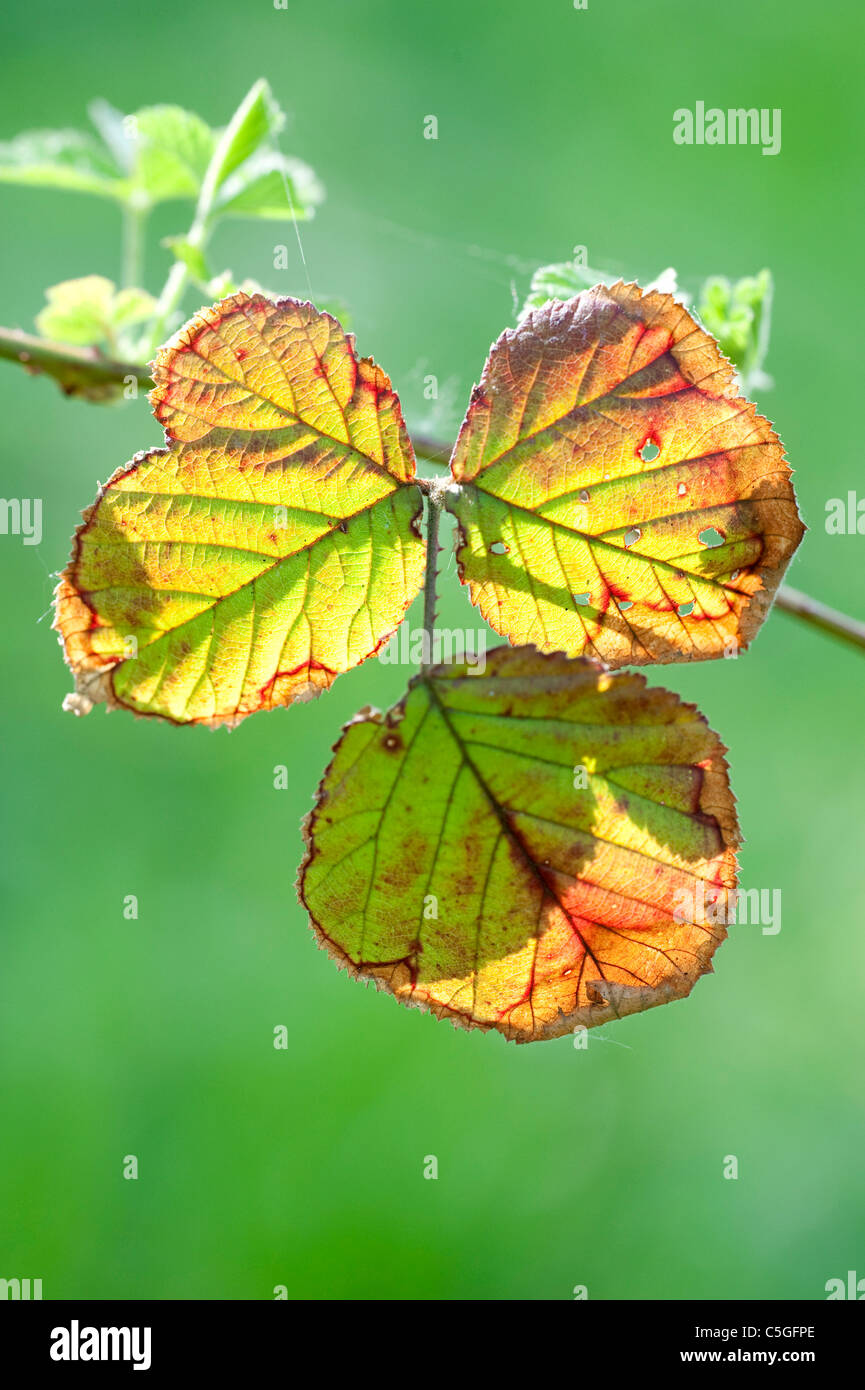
{"points": [[819, 615], [78, 371], [431, 449], [434, 501], [172, 293], [178, 275], [222, 161], [134, 220]]}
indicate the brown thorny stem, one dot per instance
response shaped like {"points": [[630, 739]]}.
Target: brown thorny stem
{"points": [[84, 371]]}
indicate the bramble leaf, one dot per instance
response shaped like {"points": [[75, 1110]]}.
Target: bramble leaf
{"points": [[77, 310], [61, 159], [257, 117], [116, 131], [271, 185], [192, 257], [166, 152], [131, 306], [271, 546], [739, 316], [562, 281], [532, 848], [91, 311], [173, 148], [617, 498]]}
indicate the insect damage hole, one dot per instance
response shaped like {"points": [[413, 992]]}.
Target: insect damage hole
{"points": [[499, 548], [711, 536], [649, 449], [632, 536]]}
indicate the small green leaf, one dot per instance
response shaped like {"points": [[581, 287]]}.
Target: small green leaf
{"points": [[173, 150], [567, 278], [131, 306], [78, 311], [192, 257], [89, 312], [257, 116], [739, 316], [271, 185], [114, 128], [61, 159], [561, 281]]}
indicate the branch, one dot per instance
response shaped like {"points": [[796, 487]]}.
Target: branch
{"points": [[77, 371], [827, 619]]}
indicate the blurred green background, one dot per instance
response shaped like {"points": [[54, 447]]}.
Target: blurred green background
{"points": [[154, 1037]]}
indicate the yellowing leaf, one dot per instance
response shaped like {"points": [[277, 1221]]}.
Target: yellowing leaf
{"points": [[537, 847], [78, 311], [91, 310], [618, 497], [271, 546]]}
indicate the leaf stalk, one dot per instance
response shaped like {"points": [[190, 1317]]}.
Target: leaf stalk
{"points": [[134, 221], [435, 491]]}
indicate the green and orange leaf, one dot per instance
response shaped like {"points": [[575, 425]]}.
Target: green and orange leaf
{"points": [[271, 546], [617, 497], [540, 846]]}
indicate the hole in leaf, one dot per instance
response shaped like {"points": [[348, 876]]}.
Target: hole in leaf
{"points": [[711, 536], [734, 576], [685, 608], [499, 548], [582, 598], [682, 489], [584, 496], [625, 603], [632, 535], [649, 450]]}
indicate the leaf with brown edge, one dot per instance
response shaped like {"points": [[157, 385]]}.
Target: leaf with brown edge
{"points": [[458, 857], [617, 497], [271, 546]]}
